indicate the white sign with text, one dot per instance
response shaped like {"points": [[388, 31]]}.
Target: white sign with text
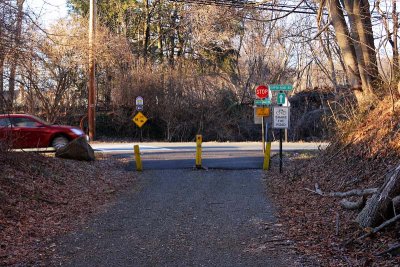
{"points": [[281, 118]]}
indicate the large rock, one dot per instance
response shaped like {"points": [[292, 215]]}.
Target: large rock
{"points": [[78, 149]]}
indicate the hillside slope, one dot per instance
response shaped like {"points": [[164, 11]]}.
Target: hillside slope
{"points": [[42, 197], [363, 152]]}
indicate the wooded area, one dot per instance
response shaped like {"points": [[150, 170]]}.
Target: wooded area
{"points": [[197, 63]]}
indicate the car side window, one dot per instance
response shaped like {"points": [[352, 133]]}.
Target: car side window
{"points": [[5, 122], [23, 122]]}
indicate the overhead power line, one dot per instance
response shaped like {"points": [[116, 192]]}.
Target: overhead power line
{"points": [[286, 8], [294, 7]]}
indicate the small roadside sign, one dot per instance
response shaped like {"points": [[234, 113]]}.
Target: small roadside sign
{"points": [[262, 112], [139, 119], [139, 101], [281, 98], [280, 87], [262, 102], [281, 118]]}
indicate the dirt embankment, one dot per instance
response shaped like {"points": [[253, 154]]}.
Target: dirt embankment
{"points": [[42, 197], [367, 148]]}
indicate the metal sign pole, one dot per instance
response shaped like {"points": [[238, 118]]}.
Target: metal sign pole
{"points": [[280, 150], [263, 133]]}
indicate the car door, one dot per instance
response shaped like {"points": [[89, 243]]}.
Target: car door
{"points": [[28, 133], [5, 131]]}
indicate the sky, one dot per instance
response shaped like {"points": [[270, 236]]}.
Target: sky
{"points": [[48, 10]]}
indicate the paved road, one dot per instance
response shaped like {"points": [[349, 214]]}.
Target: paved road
{"points": [[155, 147], [182, 218], [227, 156]]}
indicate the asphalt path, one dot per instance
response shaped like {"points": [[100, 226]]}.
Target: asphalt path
{"points": [[183, 218], [176, 215]]}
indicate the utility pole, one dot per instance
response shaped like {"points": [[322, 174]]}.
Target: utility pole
{"points": [[92, 67]]}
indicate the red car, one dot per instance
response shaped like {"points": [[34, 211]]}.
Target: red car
{"points": [[26, 131]]}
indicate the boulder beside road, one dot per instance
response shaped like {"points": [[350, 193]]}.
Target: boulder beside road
{"points": [[77, 149]]}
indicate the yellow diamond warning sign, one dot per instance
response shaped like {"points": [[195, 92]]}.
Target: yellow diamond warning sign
{"points": [[139, 119]]}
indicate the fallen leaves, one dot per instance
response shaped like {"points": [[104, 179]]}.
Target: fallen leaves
{"points": [[317, 224], [42, 197]]}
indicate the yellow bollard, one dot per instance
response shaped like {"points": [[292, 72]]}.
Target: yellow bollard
{"points": [[138, 160], [267, 156], [199, 140]]}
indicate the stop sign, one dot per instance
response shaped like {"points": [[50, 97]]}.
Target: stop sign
{"points": [[262, 91]]}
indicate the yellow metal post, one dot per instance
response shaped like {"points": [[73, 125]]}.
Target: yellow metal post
{"points": [[199, 140], [138, 160], [267, 156]]}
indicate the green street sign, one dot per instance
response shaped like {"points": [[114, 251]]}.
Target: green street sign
{"points": [[280, 87], [262, 102], [281, 99]]}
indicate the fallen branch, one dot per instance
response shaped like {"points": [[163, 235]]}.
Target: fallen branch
{"points": [[394, 248], [377, 207], [376, 229], [380, 227], [352, 205], [354, 192]]}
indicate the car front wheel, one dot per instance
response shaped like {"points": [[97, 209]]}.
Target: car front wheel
{"points": [[59, 142]]}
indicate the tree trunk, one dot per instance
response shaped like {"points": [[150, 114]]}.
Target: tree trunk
{"points": [[2, 57], [365, 33], [353, 12], [146, 39], [395, 64], [2, 104], [14, 61], [331, 64], [172, 37], [379, 206], [160, 41], [352, 55], [345, 44]]}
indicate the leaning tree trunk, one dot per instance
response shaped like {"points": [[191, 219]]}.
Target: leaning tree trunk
{"points": [[379, 207], [346, 46], [364, 29], [360, 84], [360, 43]]}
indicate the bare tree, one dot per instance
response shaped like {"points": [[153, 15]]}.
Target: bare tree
{"points": [[357, 45]]}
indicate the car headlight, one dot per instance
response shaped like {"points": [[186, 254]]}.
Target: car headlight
{"points": [[77, 131]]}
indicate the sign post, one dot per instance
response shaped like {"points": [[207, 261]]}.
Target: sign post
{"points": [[140, 120], [262, 92], [139, 102], [281, 120], [281, 114]]}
